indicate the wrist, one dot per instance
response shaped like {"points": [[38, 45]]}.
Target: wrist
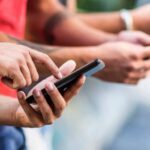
{"points": [[127, 19], [137, 24], [80, 55], [10, 106]]}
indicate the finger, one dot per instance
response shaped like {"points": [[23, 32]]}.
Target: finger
{"points": [[17, 79], [67, 68], [72, 91], [26, 73], [138, 66], [137, 75], [146, 64], [30, 112], [57, 99], [131, 81], [146, 53], [144, 39], [32, 68], [43, 106], [45, 60]]}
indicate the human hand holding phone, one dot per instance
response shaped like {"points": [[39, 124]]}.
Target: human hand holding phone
{"points": [[65, 83], [42, 113]]}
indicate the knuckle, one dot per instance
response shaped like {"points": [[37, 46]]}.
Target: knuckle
{"points": [[129, 75], [81, 82], [40, 101], [29, 82], [12, 67], [55, 71], [20, 60], [58, 114], [22, 102], [131, 67], [50, 121], [38, 124], [127, 82], [60, 109], [26, 53], [36, 77], [75, 92], [22, 84], [135, 56], [46, 57]]}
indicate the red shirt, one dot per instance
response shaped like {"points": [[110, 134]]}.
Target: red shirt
{"points": [[12, 22]]}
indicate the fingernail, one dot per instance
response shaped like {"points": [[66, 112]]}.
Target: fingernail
{"points": [[36, 93], [49, 86], [15, 86], [20, 95], [59, 75]]}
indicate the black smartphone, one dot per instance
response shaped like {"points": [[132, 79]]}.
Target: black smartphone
{"points": [[63, 84]]}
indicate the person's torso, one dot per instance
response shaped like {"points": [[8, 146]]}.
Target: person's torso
{"points": [[12, 17]]}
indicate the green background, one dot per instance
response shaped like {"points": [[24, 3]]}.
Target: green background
{"points": [[104, 5]]}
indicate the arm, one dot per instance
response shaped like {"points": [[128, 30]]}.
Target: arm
{"points": [[111, 22], [60, 26], [128, 63], [127, 59], [21, 114], [71, 5], [108, 22], [22, 65]]}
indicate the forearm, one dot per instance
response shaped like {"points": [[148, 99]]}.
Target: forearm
{"points": [[63, 28], [7, 110], [109, 22], [81, 55], [73, 32], [42, 48]]}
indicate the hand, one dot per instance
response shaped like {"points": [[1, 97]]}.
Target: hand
{"points": [[27, 116], [17, 65], [141, 18], [136, 37], [125, 62]]}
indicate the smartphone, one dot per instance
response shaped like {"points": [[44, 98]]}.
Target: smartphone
{"points": [[63, 84]]}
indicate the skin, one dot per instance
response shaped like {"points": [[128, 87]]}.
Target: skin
{"points": [[129, 63], [71, 30], [18, 68], [83, 55], [111, 22], [121, 52], [21, 114]]}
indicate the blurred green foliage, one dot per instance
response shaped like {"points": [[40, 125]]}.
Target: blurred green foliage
{"points": [[104, 5]]}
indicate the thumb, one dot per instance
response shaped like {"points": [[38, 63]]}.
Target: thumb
{"points": [[68, 67], [65, 70], [144, 40]]}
